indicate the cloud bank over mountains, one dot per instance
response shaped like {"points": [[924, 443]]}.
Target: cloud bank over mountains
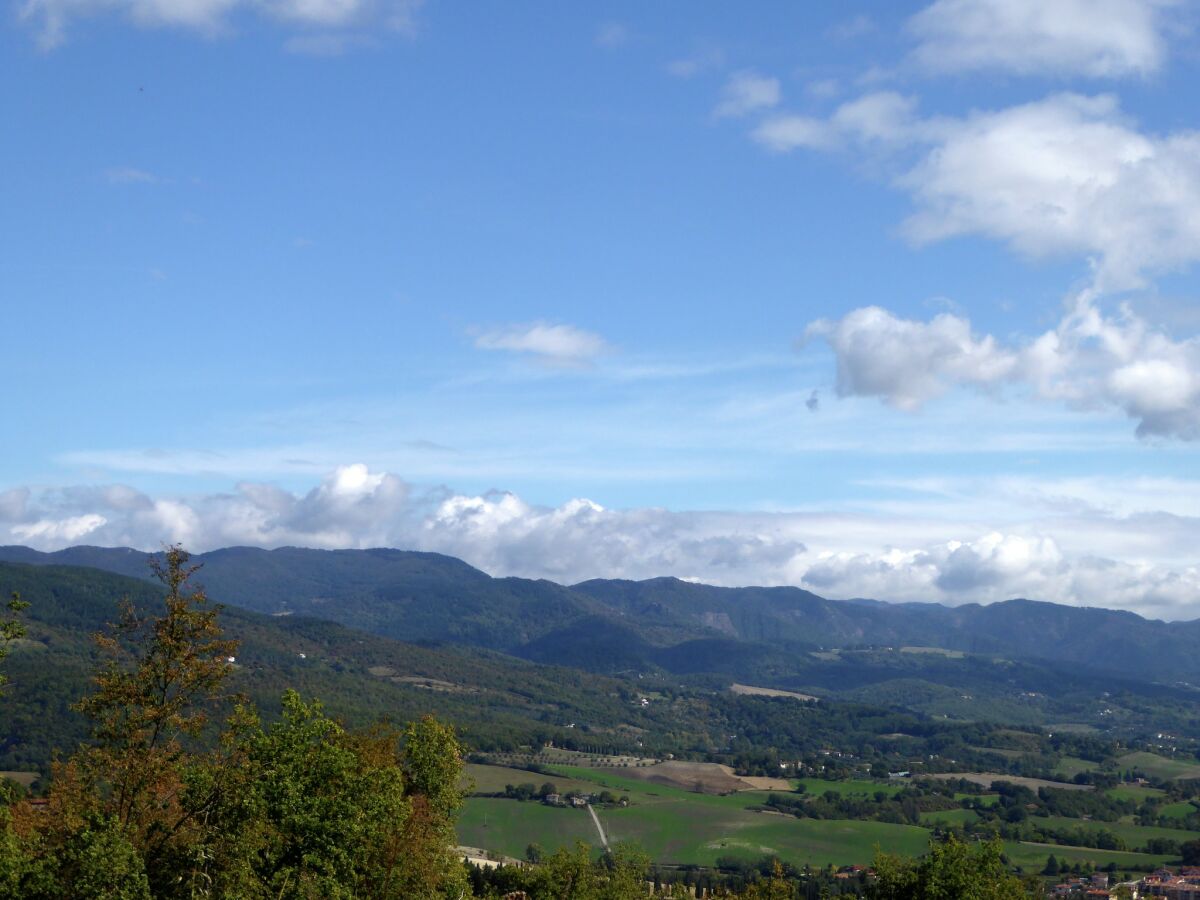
{"points": [[889, 557]]}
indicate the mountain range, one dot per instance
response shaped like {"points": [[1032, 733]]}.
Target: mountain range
{"points": [[615, 625]]}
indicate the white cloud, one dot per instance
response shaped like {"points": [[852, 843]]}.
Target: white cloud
{"points": [[1065, 176], [999, 566], [1089, 360], [747, 92], [562, 345], [52, 17], [1075, 552], [67, 530], [1096, 38], [907, 362], [783, 133]]}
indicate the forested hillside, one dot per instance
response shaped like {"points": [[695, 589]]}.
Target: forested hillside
{"points": [[614, 625]]}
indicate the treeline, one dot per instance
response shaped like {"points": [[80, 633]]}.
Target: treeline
{"points": [[953, 869], [903, 807]]}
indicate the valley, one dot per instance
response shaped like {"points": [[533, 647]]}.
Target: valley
{"points": [[707, 751]]}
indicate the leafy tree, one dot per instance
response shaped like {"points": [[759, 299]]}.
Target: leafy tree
{"points": [[11, 630], [953, 870], [777, 887], [154, 697], [97, 862], [432, 761], [572, 874], [316, 812], [1190, 851]]}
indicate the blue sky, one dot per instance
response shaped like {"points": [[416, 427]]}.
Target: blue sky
{"points": [[894, 300]]}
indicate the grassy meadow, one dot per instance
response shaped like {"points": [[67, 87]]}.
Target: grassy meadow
{"points": [[680, 827]]}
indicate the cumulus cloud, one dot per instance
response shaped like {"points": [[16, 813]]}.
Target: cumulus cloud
{"points": [[51, 18], [1090, 360], [504, 534], [747, 92], [560, 345], [907, 362], [1065, 176], [1096, 38]]}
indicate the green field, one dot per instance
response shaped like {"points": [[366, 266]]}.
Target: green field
{"points": [[677, 826], [1180, 810], [1132, 835], [950, 817], [1135, 792], [818, 786], [1032, 857], [984, 799], [509, 826], [1070, 766], [683, 827], [1159, 766]]}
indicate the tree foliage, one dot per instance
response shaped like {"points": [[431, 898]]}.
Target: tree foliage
{"points": [[182, 792], [11, 630], [953, 870]]}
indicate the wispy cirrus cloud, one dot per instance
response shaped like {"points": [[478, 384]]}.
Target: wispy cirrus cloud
{"points": [[557, 345]]}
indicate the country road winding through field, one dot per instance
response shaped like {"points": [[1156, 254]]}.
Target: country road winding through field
{"points": [[599, 827]]}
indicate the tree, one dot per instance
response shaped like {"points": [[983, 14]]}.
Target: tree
{"points": [[1190, 851], [11, 630], [953, 870], [317, 812], [1051, 866], [432, 761], [774, 888], [155, 695]]}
